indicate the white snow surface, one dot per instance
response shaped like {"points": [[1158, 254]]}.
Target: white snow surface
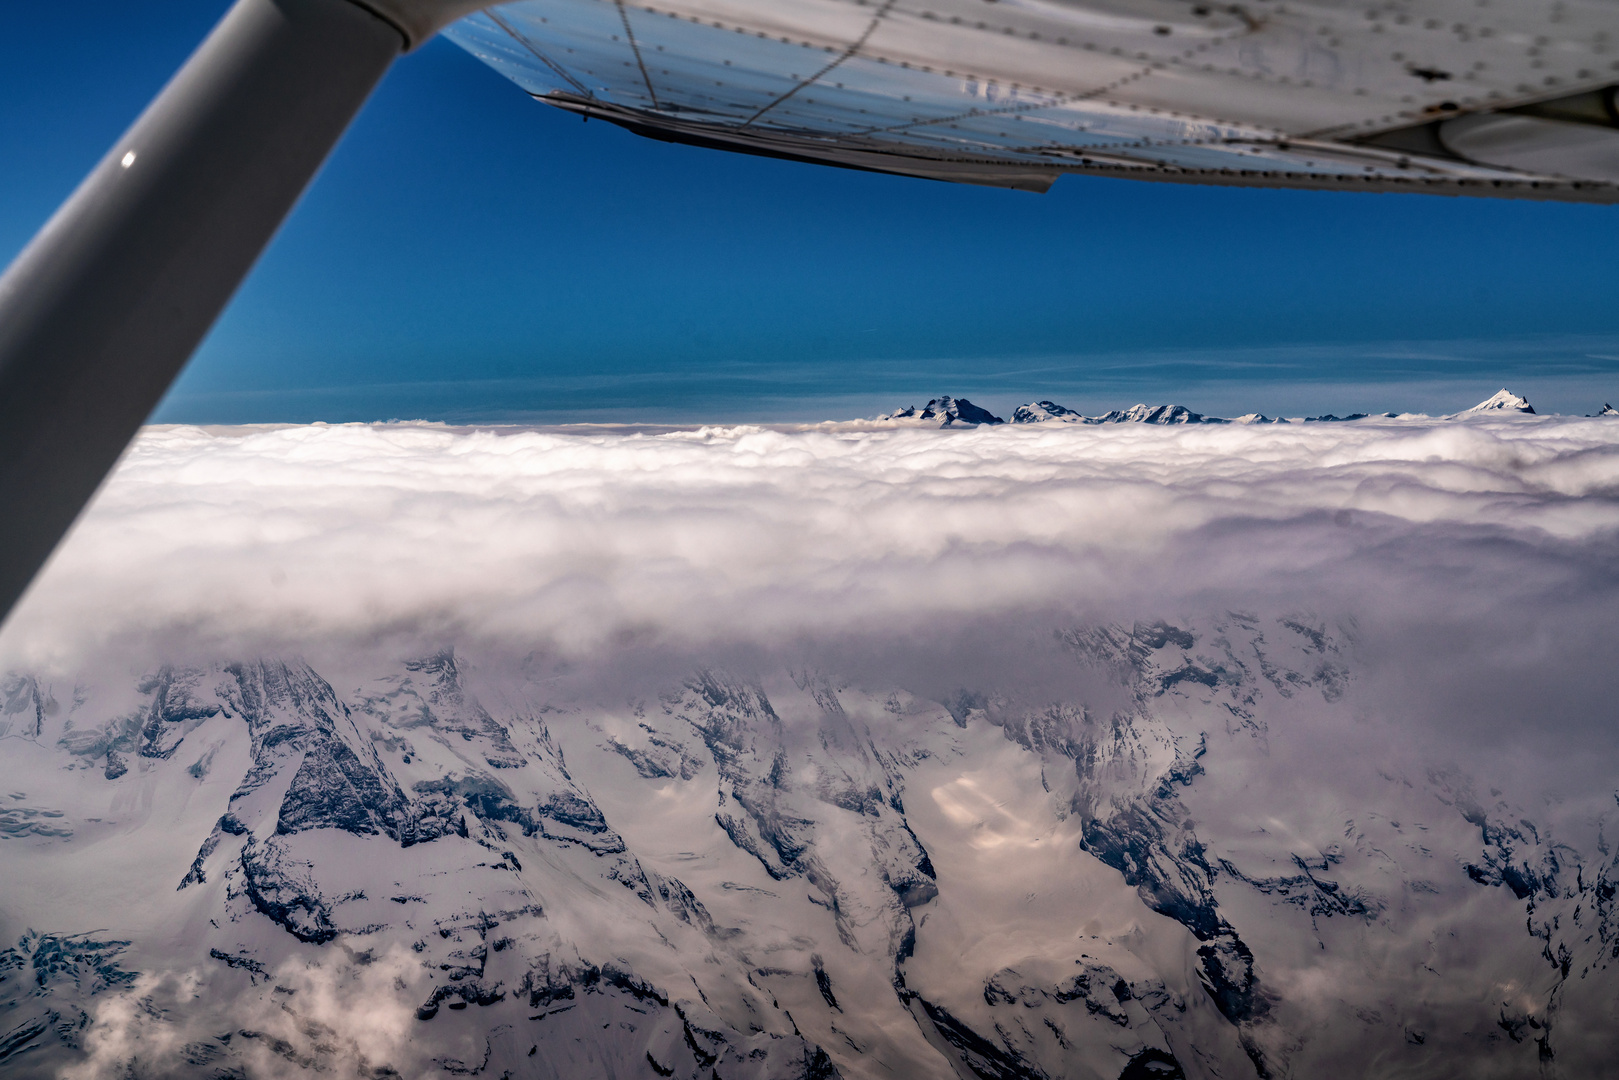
{"points": [[1044, 750], [1041, 412], [1502, 400]]}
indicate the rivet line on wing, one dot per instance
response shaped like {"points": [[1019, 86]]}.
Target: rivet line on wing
{"points": [[646, 77], [535, 51], [876, 20]]}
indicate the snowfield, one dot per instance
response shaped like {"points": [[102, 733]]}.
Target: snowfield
{"points": [[1032, 750]]}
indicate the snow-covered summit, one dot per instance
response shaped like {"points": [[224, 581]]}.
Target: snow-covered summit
{"points": [[948, 411], [1503, 401], [1608, 410], [1157, 414], [1039, 412], [953, 412]]}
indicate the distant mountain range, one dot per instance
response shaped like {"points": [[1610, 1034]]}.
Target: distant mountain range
{"points": [[959, 412]]}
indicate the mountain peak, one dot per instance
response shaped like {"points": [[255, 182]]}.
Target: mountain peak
{"points": [[953, 412], [1039, 412], [1158, 414], [1608, 410], [948, 411], [1504, 401]]}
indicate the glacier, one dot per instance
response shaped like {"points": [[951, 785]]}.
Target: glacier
{"points": [[1013, 751]]}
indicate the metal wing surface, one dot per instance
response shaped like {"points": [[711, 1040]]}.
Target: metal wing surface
{"points": [[1507, 98]]}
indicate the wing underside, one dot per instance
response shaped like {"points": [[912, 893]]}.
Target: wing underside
{"points": [[1440, 96]]}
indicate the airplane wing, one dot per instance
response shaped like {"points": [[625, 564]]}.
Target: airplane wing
{"points": [[1507, 98]]}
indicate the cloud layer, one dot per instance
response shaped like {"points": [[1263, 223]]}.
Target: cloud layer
{"points": [[569, 541]]}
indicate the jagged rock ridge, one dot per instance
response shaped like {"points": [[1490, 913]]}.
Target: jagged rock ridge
{"points": [[946, 412], [787, 874]]}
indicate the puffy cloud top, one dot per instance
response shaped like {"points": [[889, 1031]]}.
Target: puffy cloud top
{"points": [[281, 535]]}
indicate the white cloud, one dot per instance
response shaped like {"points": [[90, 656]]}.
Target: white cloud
{"points": [[347, 1017], [281, 536]]}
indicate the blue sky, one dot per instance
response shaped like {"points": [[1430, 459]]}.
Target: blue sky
{"points": [[468, 254]]}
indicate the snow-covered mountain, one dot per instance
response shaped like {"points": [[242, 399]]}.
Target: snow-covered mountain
{"points": [[946, 412], [1155, 414], [779, 873], [1502, 401], [1041, 412]]}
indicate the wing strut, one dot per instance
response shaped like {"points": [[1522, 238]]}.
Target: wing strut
{"points": [[103, 308]]}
